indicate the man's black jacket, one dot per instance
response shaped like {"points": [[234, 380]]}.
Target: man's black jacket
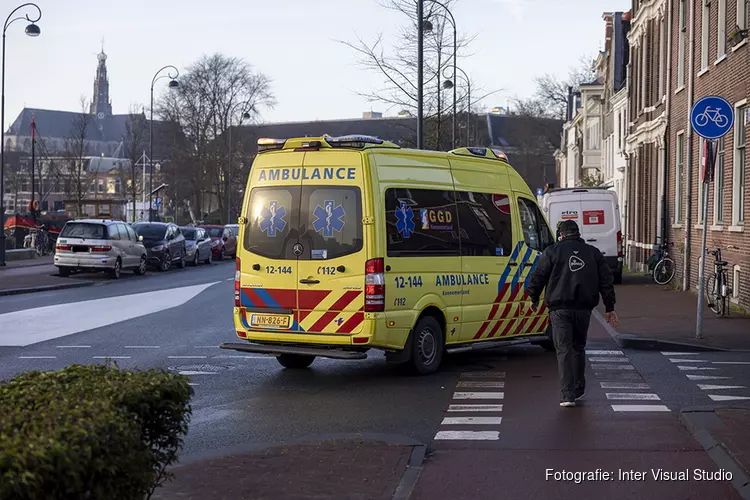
{"points": [[574, 274]]}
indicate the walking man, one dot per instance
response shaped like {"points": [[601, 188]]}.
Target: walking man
{"points": [[574, 274]]}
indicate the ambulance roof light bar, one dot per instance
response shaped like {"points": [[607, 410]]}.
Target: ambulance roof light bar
{"points": [[493, 154], [269, 144], [352, 141]]}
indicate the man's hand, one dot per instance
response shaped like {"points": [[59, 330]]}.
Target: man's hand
{"points": [[534, 306], [612, 319]]}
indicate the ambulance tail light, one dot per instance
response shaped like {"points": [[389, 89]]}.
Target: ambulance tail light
{"points": [[619, 243], [375, 285], [237, 301]]}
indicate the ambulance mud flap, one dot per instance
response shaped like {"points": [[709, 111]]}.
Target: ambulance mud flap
{"points": [[286, 349]]}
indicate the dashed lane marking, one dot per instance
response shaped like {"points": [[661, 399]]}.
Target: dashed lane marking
{"points": [[73, 346], [596, 366], [482, 384], [229, 356], [468, 435], [614, 375], [111, 357], [680, 353], [609, 360], [604, 353], [456, 408], [633, 396], [717, 397], [472, 421], [711, 387], [688, 368], [731, 362], [483, 375], [681, 360], [190, 383], [624, 385], [187, 357], [189, 372], [141, 347], [230, 279], [690, 376], [37, 357], [644, 408], [207, 347], [478, 395]]}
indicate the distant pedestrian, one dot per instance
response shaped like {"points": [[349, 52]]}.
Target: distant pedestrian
{"points": [[574, 274]]}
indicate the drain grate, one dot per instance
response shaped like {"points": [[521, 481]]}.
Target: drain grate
{"points": [[199, 368]]}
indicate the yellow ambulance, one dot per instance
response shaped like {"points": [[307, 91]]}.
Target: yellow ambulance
{"points": [[352, 243]]}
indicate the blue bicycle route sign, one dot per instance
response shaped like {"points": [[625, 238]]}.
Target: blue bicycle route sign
{"points": [[712, 117]]}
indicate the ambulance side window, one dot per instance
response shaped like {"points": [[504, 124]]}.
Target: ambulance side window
{"points": [[535, 232], [421, 223], [485, 221]]}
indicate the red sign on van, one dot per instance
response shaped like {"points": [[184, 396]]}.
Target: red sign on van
{"points": [[592, 217], [502, 203]]}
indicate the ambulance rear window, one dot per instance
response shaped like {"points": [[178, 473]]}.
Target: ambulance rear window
{"points": [[273, 220], [332, 222]]}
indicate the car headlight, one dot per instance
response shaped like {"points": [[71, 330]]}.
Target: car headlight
{"points": [[157, 248]]}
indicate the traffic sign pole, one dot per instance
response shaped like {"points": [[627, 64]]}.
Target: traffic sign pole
{"points": [[711, 118]]}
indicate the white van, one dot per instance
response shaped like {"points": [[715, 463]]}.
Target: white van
{"points": [[597, 213]]}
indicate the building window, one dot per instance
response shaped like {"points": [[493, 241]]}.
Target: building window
{"points": [[721, 30], [705, 25], [681, 46], [679, 178], [742, 14], [644, 61], [719, 183], [740, 139]]}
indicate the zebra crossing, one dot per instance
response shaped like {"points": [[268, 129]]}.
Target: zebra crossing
{"points": [[709, 376], [475, 410], [615, 373]]}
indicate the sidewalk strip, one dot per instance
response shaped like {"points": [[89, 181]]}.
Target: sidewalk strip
{"points": [[716, 397], [680, 353], [73, 346], [187, 357], [624, 385], [472, 420], [37, 357], [611, 367], [609, 360], [482, 383], [633, 396], [483, 375], [455, 408], [710, 387], [686, 368], [141, 347], [111, 357], [626, 408], [604, 353], [731, 362], [468, 435], [478, 395], [690, 376], [680, 360]]}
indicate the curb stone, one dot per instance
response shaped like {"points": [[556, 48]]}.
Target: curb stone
{"points": [[700, 423], [46, 288], [411, 475]]}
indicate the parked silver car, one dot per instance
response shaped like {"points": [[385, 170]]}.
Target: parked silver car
{"points": [[99, 245], [197, 244]]}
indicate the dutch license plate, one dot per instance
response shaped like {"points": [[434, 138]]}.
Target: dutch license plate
{"points": [[269, 321]]}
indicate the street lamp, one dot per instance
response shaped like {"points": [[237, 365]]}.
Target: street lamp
{"points": [[245, 115], [32, 29], [427, 27], [420, 72], [172, 84], [449, 84]]}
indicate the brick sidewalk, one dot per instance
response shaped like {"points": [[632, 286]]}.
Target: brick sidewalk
{"points": [[14, 279], [734, 435], [648, 310], [337, 469]]}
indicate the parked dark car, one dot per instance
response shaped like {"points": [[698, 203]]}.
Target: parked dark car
{"points": [[223, 241], [198, 245], [164, 242]]}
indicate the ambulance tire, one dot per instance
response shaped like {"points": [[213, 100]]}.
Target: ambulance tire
{"points": [[427, 345], [295, 361]]}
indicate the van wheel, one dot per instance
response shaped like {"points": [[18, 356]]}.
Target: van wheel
{"points": [[295, 361], [427, 345], [63, 271], [114, 273], [618, 278], [183, 256], [141, 269]]}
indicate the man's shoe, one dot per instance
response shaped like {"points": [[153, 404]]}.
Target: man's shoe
{"points": [[567, 404]]}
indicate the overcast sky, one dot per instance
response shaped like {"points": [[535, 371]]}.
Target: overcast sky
{"points": [[291, 41]]}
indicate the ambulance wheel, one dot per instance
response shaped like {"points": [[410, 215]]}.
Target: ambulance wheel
{"points": [[427, 345], [295, 361]]}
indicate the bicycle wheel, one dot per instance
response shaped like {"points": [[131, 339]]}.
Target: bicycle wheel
{"points": [[713, 299], [664, 271], [701, 120]]}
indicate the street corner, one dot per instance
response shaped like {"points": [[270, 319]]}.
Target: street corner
{"points": [[342, 466]]}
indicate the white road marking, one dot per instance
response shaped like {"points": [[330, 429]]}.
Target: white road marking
{"points": [[633, 396], [686, 368], [189, 383], [609, 360], [207, 347], [111, 357], [189, 372], [468, 435], [141, 347], [731, 362], [727, 398], [37, 357], [230, 279], [478, 395], [680, 353], [711, 387], [472, 420], [187, 357], [690, 376], [455, 408], [612, 367], [681, 360], [604, 353], [639, 408], [483, 375], [624, 385], [482, 383], [39, 324], [245, 357], [73, 346]]}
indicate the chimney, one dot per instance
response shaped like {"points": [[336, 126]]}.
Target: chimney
{"points": [[369, 115], [571, 107]]}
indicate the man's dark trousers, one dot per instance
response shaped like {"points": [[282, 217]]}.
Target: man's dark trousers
{"points": [[569, 331]]}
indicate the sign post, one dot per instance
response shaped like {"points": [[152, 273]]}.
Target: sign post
{"points": [[711, 118]]}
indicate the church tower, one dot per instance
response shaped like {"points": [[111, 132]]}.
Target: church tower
{"points": [[101, 105]]}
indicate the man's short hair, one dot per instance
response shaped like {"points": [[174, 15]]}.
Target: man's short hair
{"points": [[569, 228]]}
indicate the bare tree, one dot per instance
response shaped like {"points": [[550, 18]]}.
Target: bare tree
{"points": [[551, 96], [75, 153], [214, 92], [136, 139]]}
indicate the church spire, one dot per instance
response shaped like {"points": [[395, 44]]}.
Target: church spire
{"points": [[101, 105]]}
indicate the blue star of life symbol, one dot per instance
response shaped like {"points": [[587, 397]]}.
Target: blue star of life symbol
{"points": [[405, 220], [328, 218], [273, 219]]}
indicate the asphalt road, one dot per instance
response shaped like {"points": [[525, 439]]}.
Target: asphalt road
{"points": [[177, 319]]}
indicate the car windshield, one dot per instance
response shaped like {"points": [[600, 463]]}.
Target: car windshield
{"points": [[189, 233], [151, 232], [215, 232], [84, 230]]}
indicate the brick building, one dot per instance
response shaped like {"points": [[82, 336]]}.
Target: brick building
{"points": [[709, 56]]}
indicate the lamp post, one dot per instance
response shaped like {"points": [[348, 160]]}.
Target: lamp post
{"points": [[32, 30], [243, 116], [172, 84], [449, 84], [420, 72], [427, 26]]}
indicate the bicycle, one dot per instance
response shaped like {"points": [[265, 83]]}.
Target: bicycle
{"points": [[41, 243], [711, 114], [664, 270], [717, 289]]}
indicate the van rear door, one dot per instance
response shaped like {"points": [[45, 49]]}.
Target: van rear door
{"points": [[598, 223]]}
